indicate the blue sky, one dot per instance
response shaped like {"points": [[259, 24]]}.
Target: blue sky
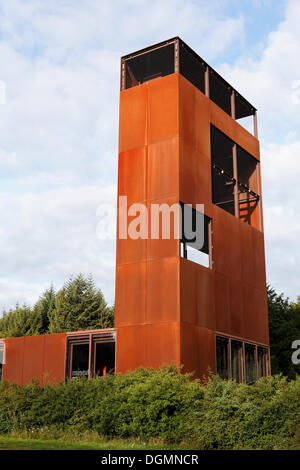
{"points": [[59, 125]]}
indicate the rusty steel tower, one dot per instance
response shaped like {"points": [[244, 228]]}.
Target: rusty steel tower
{"points": [[182, 140]]}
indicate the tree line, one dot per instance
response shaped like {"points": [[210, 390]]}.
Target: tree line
{"points": [[78, 305]]}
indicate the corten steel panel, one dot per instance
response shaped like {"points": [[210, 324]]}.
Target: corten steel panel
{"points": [[161, 247], [13, 368], [206, 316], [162, 344], [253, 258], [253, 215], [259, 259], [255, 314], [234, 130], [163, 169], [247, 254], [130, 348], [163, 291], [132, 175], [222, 312], [54, 358], [188, 293], [133, 118], [207, 361], [190, 349], [195, 178], [197, 350], [227, 244], [236, 307], [197, 295], [163, 108], [130, 250], [202, 123], [33, 362], [187, 112], [130, 308], [194, 118]]}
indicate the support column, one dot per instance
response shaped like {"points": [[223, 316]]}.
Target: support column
{"points": [[206, 82]]}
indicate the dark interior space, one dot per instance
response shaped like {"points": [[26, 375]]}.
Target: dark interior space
{"points": [[104, 359], [262, 358], [247, 184], [222, 170], [236, 360], [222, 357], [80, 360], [250, 363], [242, 107], [192, 68], [150, 65], [221, 151], [246, 166], [220, 92], [224, 178]]}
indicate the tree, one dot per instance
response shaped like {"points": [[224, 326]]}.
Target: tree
{"points": [[45, 308], [79, 305], [284, 328], [22, 321]]}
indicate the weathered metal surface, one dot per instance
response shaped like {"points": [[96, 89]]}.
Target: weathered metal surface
{"points": [[167, 308]]}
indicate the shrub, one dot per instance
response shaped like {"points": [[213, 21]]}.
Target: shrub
{"points": [[144, 403], [264, 415], [160, 404]]}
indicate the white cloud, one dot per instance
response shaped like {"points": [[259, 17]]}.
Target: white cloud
{"points": [[46, 237], [269, 82], [59, 127]]}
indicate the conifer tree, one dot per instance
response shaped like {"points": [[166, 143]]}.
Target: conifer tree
{"points": [[45, 308], [284, 328], [22, 321], [80, 305]]}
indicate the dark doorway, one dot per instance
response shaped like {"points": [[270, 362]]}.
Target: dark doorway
{"points": [[104, 359], [80, 360]]}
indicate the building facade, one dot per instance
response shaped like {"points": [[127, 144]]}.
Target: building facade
{"points": [[182, 141], [182, 144], [56, 357]]}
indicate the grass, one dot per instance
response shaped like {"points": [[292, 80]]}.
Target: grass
{"points": [[30, 443]]}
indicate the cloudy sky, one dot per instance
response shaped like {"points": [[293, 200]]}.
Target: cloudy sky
{"points": [[59, 92]]}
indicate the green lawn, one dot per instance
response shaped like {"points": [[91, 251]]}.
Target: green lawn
{"points": [[20, 443]]}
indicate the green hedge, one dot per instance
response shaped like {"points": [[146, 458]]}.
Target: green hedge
{"points": [[161, 404]]}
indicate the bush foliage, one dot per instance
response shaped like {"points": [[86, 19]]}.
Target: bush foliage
{"points": [[161, 404]]}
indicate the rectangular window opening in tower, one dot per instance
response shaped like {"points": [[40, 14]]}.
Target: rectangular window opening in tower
{"points": [[196, 247], [240, 360], [234, 178]]}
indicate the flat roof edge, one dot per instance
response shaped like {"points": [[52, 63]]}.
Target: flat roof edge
{"points": [[177, 38]]}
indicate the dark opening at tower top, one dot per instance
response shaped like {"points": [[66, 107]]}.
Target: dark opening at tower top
{"points": [[174, 55]]}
